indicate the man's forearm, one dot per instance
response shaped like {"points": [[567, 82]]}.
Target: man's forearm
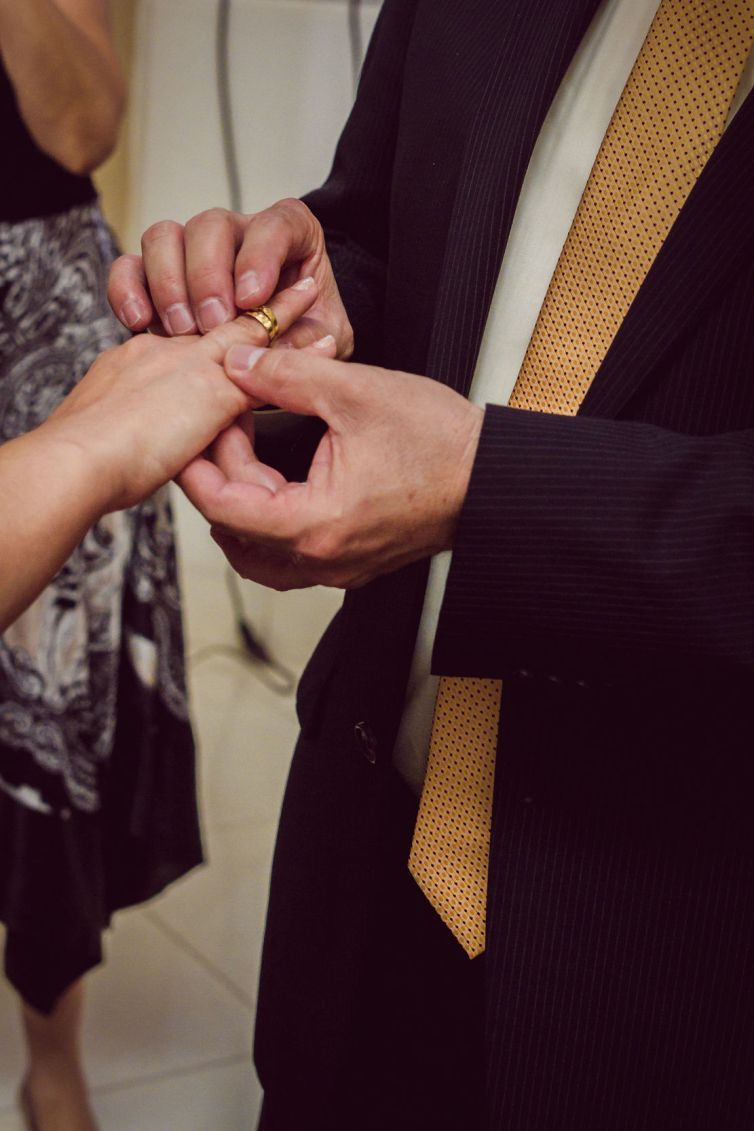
{"points": [[66, 78]]}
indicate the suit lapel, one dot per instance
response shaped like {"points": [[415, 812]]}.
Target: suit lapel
{"points": [[712, 237], [538, 39]]}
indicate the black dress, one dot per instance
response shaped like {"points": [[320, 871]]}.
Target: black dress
{"points": [[97, 788]]}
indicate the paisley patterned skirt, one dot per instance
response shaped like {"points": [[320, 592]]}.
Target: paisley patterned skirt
{"points": [[97, 790]]}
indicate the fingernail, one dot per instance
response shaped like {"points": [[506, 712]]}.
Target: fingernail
{"points": [[305, 284], [132, 312], [248, 285], [179, 318], [324, 343], [212, 312], [240, 359]]}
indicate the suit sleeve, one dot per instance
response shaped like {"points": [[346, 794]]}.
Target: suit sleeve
{"points": [[353, 205], [595, 552]]}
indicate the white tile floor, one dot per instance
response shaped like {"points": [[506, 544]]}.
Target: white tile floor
{"points": [[169, 1024]]}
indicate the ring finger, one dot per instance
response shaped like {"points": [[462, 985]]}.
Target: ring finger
{"points": [[286, 307]]}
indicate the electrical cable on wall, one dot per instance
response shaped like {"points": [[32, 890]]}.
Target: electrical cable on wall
{"points": [[254, 649], [279, 678], [227, 132]]}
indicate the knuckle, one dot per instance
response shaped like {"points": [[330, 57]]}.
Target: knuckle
{"points": [[254, 333], [168, 285], [291, 211], [268, 218], [161, 231], [214, 216], [347, 342], [205, 274], [109, 358], [241, 331], [221, 337], [322, 547], [125, 265], [139, 346], [303, 215], [292, 204]]}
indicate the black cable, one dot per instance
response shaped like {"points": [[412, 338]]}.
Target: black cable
{"points": [[283, 680], [277, 678], [227, 133], [254, 650], [250, 641]]}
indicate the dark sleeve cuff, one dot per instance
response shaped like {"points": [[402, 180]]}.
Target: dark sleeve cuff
{"points": [[592, 552]]}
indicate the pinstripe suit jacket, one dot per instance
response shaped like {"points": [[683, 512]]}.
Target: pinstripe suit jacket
{"points": [[604, 569]]}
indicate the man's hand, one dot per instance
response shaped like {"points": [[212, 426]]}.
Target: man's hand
{"points": [[385, 487], [194, 278]]}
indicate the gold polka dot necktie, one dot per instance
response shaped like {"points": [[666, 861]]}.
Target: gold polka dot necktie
{"points": [[670, 116]]}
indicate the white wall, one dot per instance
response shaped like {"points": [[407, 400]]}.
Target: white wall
{"points": [[291, 90]]}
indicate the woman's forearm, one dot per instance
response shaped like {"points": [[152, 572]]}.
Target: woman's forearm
{"points": [[134, 421], [66, 76], [50, 495]]}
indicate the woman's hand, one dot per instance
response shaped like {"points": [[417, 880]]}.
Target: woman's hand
{"points": [[148, 407], [141, 413], [195, 278]]}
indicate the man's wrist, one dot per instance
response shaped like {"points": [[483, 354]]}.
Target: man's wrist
{"points": [[465, 464]]}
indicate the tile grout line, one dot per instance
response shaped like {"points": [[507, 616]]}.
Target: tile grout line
{"points": [[201, 959], [188, 1070]]}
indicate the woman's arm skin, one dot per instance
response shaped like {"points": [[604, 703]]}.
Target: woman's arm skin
{"points": [[140, 414], [49, 499], [68, 82]]}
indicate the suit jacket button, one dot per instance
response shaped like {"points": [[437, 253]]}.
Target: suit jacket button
{"points": [[366, 741]]}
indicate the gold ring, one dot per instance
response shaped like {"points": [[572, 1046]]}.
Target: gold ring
{"points": [[265, 316]]}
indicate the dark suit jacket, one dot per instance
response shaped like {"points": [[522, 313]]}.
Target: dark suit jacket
{"points": [[604, 569]]}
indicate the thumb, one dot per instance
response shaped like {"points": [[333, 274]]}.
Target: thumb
{"points": [[296, 380]]}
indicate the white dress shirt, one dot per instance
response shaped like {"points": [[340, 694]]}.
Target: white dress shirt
{"points": [[560, 165]]}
